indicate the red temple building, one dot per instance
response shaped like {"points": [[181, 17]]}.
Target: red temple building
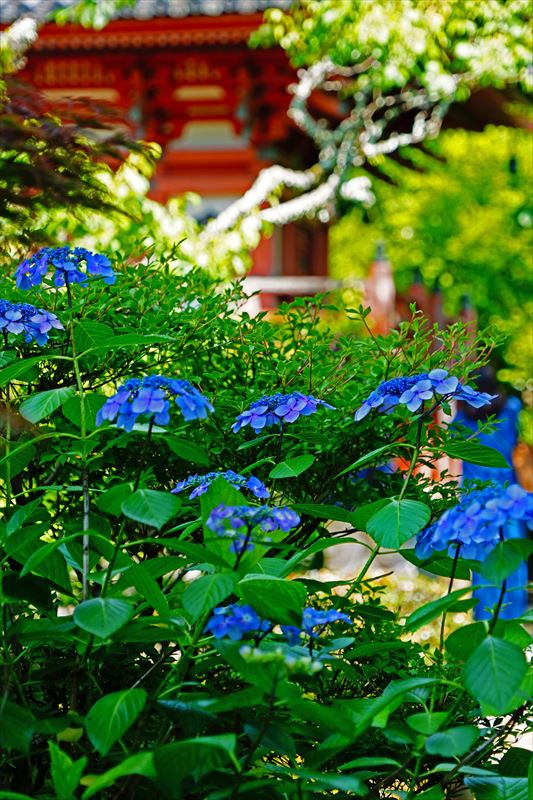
{"points": [[181, 73]]}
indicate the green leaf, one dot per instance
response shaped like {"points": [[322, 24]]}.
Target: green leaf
{"points": [[275, 599], [369, 761], [205, 593], [319, 511], [41, 405], [475, 453], [452, 742], [498, 788], [111, 500], [17, 726], [192, 758], [430, 611], [505, 558], [396, 522], [19, 369], [494, 672], [372, 455], [138, 576], [92, 403], [66, 773], [89, 334], [188, 451], [516, 763], [138, 764], [462, 642], [102, 616], [426, 722], [291, 467], [439, 564], [128, 340], [151, 507], [111, 716]]}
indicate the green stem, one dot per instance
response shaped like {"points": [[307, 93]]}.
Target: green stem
{"points": [[83, 436], [450, 586], [414, 458], [499, 604]]}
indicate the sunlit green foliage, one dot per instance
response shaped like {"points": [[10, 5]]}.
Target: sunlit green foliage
{"points": [[465, 223]]}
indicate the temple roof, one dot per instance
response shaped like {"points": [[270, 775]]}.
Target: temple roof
{"points": [[11, 10]]}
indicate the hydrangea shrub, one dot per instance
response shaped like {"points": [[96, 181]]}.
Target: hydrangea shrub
{"points": [[170, 468]]}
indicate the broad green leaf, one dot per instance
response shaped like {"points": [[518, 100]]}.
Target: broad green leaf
{"points": [[89, 334], [275, 599], [439, 564], [396, 522], [324, 512], [66, 773], [17, 726], [498, 788], [111, 500], [102, 616], [92, 403], [41, 405], [137, 575], [516, 763], [19, 458], [475, 453], [19, 369], [7, 356], [427, 722], [494, 672], [192, 757], [111, 716], [430, 611], [220, 491], [369, 761], [291, 467], [462, 642], [373, 455], [205, 593], [188, 451], [151, 507], [127, 340], [452, 742], [139, 764], [505, 558]]}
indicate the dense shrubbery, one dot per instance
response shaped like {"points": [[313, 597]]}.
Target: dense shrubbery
{"points": [[159, 635]]}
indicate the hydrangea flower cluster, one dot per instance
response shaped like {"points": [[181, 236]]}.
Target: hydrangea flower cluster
{"points": [[235, 621], [475, 523], [69, 265], [34, 323], [200, 484], [277, 409], [237, 522], [313, 618], [150, 397], [412, 391]]}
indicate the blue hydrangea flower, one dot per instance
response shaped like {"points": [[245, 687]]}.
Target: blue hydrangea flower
{"points": [[200, 484], [313, 618], [69, 265], [414, 390], [34, 323], [150, 397], [476, 521], [236, 518], [235, 621], [278, 409]]}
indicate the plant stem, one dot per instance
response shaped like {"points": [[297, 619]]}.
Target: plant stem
{"points": [[450, 586], [414, 458], [499, 604], [83, 436]]}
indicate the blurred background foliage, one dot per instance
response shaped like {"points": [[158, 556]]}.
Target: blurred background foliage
{"points": [[463, 225]]}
